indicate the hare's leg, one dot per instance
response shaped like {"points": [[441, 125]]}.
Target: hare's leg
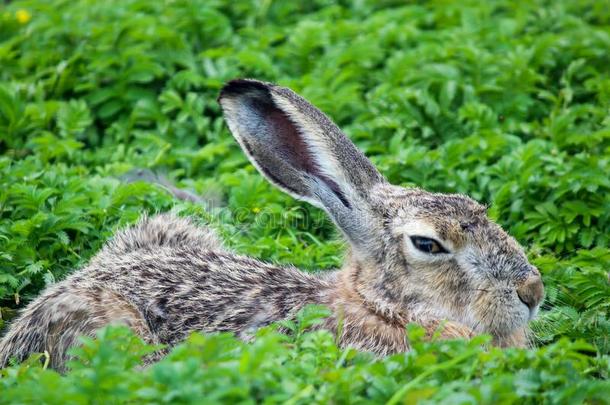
{"points": [[57, 320], [83, 312]]}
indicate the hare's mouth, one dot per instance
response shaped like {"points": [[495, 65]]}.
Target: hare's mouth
{"points": [[500, 313]]}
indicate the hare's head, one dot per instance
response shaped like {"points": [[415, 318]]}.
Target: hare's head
{"points": [[425, 254]]}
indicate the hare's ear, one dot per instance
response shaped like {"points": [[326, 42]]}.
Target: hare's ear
{"points": [[300, 150]]}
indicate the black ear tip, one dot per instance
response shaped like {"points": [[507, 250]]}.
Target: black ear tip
{"points": [[237, 87]]}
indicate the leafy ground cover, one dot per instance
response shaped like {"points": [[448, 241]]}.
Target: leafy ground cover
{"points": [[505, 101]]}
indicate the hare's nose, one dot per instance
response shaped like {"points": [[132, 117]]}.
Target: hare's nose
{"points": [[531, 291]]}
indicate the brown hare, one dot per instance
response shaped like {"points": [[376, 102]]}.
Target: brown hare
{"points": [[414, 256]]}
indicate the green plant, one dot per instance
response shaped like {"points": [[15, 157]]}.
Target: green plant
{"points": [[507, 102]]}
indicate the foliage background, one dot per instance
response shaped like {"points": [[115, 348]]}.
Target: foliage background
{"points": [[505, 101]]}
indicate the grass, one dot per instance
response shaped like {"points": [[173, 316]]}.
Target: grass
{"points": [[505, 101]]}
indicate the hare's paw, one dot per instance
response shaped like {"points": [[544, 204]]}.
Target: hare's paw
{"points": [[444, 329]]}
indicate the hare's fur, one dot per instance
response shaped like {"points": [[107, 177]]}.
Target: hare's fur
{"points": [[166, 276]]}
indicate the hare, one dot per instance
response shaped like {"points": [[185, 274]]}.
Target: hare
{"points": [[414, 256]]}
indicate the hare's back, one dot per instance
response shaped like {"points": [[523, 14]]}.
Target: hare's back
{"points": [[183, 289]]}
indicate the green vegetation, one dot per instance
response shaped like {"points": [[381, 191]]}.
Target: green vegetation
{"points": [[508, 102]]}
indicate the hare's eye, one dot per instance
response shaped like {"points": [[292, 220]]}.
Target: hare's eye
{"points": [[427, 245]]}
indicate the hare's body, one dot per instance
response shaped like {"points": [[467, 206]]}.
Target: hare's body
{"points": [[415, 256], [164, 278]]}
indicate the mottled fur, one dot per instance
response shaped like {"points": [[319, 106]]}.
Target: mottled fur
{"points": [[166, 276]]}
